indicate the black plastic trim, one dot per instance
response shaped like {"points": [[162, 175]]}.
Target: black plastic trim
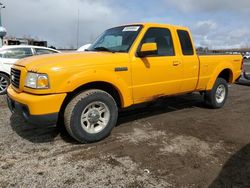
{"points": [[117, 69], [23, 110]]}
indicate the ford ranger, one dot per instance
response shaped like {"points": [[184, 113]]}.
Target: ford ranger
{"points": [[126, 65]]}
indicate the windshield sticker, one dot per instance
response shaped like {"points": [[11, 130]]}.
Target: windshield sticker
{"points": [[131, 28]]}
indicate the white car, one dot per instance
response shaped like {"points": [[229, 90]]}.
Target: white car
{"points": [[11, 54], [247, 55], [84, 47]]}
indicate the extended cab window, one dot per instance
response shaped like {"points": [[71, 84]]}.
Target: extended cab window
{"points": [[186, 43], [163, 39]]}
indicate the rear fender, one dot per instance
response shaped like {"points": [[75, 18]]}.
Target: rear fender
{"points": [[216, 73]]}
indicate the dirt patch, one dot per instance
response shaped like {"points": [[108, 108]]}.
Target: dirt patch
{"points": [[175, 142], [143, 134], [186, 144]]}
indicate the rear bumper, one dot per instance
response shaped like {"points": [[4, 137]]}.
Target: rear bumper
{"points": [[36, 109]]}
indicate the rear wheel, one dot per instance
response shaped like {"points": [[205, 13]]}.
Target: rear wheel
{"points": [[90, 116], [216, 98], [4, 83]]}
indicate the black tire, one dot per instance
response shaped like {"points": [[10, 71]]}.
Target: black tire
{"points": [[210, 96], [77, 106], [4, 83]]}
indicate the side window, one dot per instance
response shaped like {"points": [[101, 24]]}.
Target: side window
{"points": [[40, 51], [16, 53], [163, 39], [186, 43]]}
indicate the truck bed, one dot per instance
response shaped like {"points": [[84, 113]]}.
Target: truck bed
{"points": [[210, 63]]}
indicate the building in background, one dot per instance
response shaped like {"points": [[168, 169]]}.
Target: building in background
{"points": [[3, 31], [24, 41], [16, 41]]}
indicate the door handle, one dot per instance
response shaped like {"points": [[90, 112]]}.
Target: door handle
{"points": [[176, 63]]}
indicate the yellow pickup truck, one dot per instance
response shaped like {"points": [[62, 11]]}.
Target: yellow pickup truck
{"points": [[126, 65]]}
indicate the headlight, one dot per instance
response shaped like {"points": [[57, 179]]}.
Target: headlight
{"points": [[37, 81]]}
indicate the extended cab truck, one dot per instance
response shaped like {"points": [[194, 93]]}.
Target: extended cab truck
{"points": [[126, 65]]}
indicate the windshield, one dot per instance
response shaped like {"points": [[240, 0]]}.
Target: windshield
{"points": [[118, 39]]}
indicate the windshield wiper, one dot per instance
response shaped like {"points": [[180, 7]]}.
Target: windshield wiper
{"points": [[102, 48]]}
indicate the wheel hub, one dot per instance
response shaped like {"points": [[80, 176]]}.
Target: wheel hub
{"points": [[94, 116], [220, 94]]}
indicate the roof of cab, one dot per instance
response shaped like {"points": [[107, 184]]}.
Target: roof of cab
{"points": [[150, 24]]}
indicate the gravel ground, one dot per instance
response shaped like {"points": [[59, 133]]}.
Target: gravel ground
{"points": [[175, 142]]}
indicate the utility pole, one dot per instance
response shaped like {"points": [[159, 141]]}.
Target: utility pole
{"points": [[3, 31], [77, 29]]}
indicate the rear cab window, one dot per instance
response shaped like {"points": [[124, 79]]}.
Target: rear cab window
{"points": [[186, 43]]}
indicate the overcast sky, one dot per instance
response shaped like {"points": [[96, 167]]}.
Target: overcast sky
{"points": [[214, 23]]}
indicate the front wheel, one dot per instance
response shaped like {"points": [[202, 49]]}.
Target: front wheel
{"points": [[90, 116], [4, 83], [216, 98]]}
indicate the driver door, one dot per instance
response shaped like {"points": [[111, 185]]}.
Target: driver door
{"points": [[157, 74]]}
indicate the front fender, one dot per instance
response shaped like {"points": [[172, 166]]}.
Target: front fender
{"points": [[89, 76]]}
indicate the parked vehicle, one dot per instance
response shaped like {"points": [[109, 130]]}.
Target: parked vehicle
{"points": [[126, 65], [84, 47], [246, 75], [246, 55], [244, 79], [11, 54]]}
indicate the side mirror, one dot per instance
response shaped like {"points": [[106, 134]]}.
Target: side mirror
{"points": [[147, 49]]}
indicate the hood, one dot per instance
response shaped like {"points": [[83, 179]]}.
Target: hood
{"points": [[67, 60]]}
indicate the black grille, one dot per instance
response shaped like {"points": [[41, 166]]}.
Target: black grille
{"points": [[15, 77]]}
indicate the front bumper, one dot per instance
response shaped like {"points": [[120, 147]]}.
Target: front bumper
{"points": [[23, 110], [36, 109]]}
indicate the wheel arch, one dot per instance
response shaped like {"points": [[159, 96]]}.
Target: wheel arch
{"points": [[225, 73], [104, 86], [5, 73]]}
